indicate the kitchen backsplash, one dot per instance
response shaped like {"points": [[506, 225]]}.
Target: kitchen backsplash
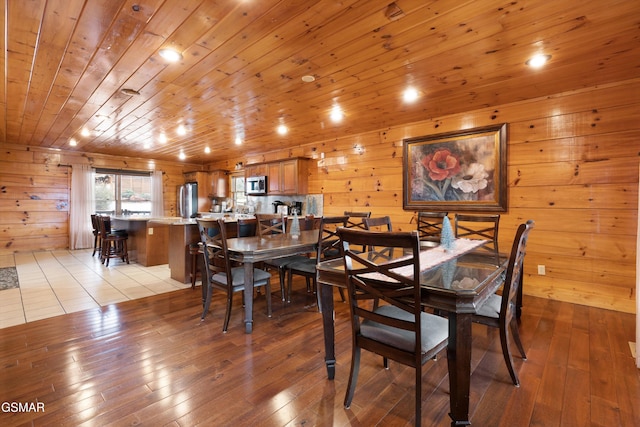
{"points": [[312, 204]]}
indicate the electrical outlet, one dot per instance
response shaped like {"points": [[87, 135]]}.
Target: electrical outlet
{"points": [[151, 233], [542, 270]]}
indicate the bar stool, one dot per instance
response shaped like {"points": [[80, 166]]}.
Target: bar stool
{"points": [[195, 250], [97, 237], [114, 243]]}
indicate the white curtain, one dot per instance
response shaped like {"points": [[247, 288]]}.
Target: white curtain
{"points": [[81, 207], [157, 198]]}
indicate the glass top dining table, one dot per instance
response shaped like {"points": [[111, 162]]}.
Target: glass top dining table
{"points": [[457, 286]]}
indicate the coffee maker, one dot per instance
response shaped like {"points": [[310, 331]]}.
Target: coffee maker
{"points": [[296, 208], [277, 207]]}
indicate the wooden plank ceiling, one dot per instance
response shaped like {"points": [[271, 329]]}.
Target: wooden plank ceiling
{"points": [[66, 63]]}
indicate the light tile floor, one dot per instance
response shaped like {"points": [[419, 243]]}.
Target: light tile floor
{"points": [[53, 283]]}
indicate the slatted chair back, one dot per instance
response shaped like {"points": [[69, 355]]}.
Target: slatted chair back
{"points": [[479, 227], [396, 328], [356, 220], [382, 224], [429, 226], [328, 239], [213, 237], [271, 224]]}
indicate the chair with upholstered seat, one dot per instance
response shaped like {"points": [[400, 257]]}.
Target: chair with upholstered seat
{"points": [[429, 226], [499, 311], [276, 224], [484, 227], [328, 248], [219, 271], [396, 328]]}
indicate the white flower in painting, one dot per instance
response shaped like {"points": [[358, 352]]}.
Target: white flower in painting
{"points": [[472, 179]]}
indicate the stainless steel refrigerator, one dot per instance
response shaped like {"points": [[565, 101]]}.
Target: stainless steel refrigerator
{"points": [[188, 200]]}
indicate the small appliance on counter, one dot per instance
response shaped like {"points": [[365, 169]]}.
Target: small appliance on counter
{"points": [[296, 208], [280, 207]]}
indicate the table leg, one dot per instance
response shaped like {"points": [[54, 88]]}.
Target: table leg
{"points": [[459, 363], [326, 299], [248, 297]]}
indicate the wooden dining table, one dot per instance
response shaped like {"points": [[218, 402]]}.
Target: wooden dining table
{"points": [[251, 250], [458, 287]]}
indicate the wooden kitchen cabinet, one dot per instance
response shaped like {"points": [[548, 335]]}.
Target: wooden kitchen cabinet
{"points": [[218, 183], [288, 177], [259, 169], [284, 177]]}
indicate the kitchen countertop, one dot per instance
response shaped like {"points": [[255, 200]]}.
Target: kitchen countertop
{"points": [[176, 220]]}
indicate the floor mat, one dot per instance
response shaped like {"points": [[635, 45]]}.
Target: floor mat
{"points": [[8, 278]]}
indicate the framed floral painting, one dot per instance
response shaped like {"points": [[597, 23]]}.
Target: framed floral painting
{"points": [[457, 171]]}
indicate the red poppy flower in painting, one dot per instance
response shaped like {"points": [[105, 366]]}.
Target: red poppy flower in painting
{"points": [[441, 164]]}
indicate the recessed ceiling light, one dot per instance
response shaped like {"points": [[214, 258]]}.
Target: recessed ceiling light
{"points": [[336, 114], [162, 138], [282, 130], [182, 131], [538, 61], [170, 54], [182, 156], [238, 140], [73, 142], [207, 150], [308, 79], [85, 132], [410, 94]]}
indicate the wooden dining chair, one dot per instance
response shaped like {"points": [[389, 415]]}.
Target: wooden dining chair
{"points": [[246, 227], [382, 223], [277, 224], [219, 271], [356, 220], [499, 311], [327, 248], [271, 224], [484, 227], [396, 328], [429, 226]]}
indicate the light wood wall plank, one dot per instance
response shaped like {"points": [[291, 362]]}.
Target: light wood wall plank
{"points": [[572, 167]]}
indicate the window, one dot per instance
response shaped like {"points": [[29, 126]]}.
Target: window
{"points": [[122, 193], [238, 191]]}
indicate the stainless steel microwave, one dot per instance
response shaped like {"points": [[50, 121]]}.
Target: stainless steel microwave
{"points": [[256, 185]]}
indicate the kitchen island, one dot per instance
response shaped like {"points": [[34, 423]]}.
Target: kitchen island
{"points": [[165, 240], [148, 242]]}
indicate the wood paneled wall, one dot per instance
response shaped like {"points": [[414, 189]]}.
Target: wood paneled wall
{"points": [[572, 167], [35, 193]]}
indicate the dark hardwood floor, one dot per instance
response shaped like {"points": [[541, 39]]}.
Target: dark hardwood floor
{"points": [[152, 362]]}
